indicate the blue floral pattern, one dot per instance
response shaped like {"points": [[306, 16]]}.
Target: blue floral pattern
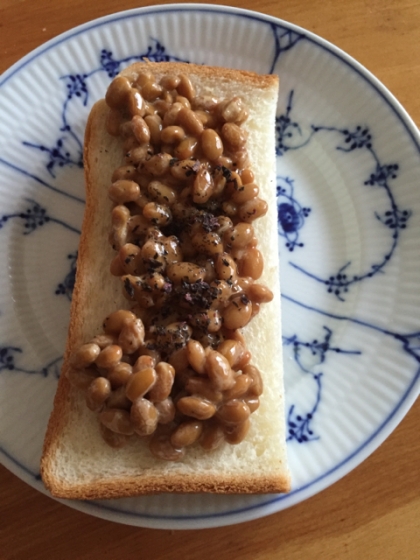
{"points": [[284, 40], [394, 218], [9, 356], [300, 425], [34, 216], [291, 214], [67, 285]]}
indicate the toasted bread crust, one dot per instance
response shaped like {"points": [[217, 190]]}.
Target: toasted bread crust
{"points": [[98, 146], [125, 487]]}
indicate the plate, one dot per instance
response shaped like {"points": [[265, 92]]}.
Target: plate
{"points": [[348, 167]]}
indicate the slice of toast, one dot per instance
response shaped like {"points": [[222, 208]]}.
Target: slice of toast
{"points": [[76, 461]]}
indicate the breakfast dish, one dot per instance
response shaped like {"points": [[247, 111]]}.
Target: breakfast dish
{"points": [[348, 222], [172, 376]]}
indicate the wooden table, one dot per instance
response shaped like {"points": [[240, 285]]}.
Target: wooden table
{"points": [[374, 512]]}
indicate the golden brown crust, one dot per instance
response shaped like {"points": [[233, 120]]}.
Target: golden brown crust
{"points": [[62, 407], [140, 485], [63, 402]]}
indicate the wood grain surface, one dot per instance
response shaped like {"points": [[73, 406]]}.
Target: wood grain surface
{"points": [[374, 512]]}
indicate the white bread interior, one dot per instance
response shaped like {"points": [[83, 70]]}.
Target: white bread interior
{"points": [[76, 462]]}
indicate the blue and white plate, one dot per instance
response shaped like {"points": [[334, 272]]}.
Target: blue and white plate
{"points": [[348, 170]]}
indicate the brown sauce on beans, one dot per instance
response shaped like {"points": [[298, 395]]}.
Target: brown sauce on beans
{"points": [[175, 368]]}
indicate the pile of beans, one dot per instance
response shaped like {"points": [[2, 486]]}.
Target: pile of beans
{"points": [[175, 368]]}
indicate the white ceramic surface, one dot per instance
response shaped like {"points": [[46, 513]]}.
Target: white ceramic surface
{"points": [[348, 204]]}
